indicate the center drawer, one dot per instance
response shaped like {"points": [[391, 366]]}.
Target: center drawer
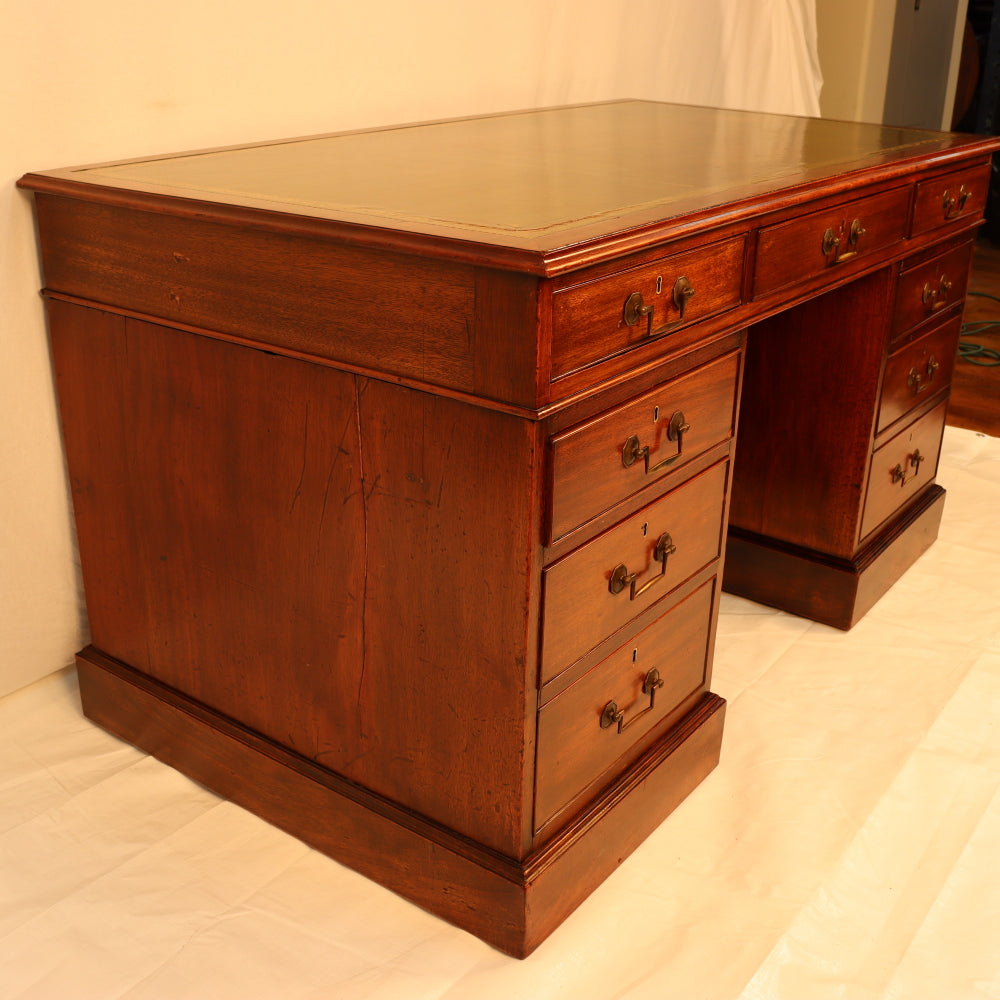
{"points": [[606, 718], [603, 585], [601, 462], [809, 245]]}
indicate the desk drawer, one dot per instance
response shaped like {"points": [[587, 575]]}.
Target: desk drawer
{"points": [[902, 467], [606, 316], [958, 195], [581, 735], [929, 288], [599, 463], [918, 370], [590, 594], [811, 244]]}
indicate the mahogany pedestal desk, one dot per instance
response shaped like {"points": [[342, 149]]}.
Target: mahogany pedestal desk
{"points": [[402, 460]]}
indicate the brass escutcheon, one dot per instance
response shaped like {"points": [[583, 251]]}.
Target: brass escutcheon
{"points": [[936, 298], [683, 292], [832, 242], [635, 309], [634, 449], [951, 205], [622, 578], [899, 473], [915, 380], [613, 715]]}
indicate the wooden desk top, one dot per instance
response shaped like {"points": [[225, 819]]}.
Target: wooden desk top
{"points": [[536, 181]]}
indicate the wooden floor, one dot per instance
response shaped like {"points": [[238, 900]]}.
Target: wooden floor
{"points": [[975, 391]]}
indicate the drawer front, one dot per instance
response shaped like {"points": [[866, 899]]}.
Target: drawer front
{"points": [[600, 721], [592, 592], [917, 370], [901, 468], [958, 195], [807, 246], [601, 462], [608, 315], [929, 288]]}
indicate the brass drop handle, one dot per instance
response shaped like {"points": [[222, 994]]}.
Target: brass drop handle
{"points": [[915, 380], [635, 309], [683, 292], [832, 242], [952, 206], [936, 298], [899, 473], [614, 716], [634, 450], [622, 578]]}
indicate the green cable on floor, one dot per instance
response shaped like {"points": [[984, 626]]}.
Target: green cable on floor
{"points": [[977, 354]]}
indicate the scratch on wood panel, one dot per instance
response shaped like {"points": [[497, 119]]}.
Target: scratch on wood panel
{"points": [[305, 456], [341, 450], [364, 553], [326, 494], [129, 439], [444, 465]]}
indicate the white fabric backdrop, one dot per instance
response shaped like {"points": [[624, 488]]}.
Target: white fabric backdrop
{"points": [[110, 79], [725, 53]]}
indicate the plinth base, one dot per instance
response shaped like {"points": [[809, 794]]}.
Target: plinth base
{"points": [[511, 904], [837, 592]]}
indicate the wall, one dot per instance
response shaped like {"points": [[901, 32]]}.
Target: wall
{"points": [[108, 79], [868, 48], [926, 48], [855, 42]]}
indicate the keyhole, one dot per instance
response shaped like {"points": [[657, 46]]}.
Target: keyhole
{"points": [[645, 528], [659, 284], [656, 414], [635, 655]]}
